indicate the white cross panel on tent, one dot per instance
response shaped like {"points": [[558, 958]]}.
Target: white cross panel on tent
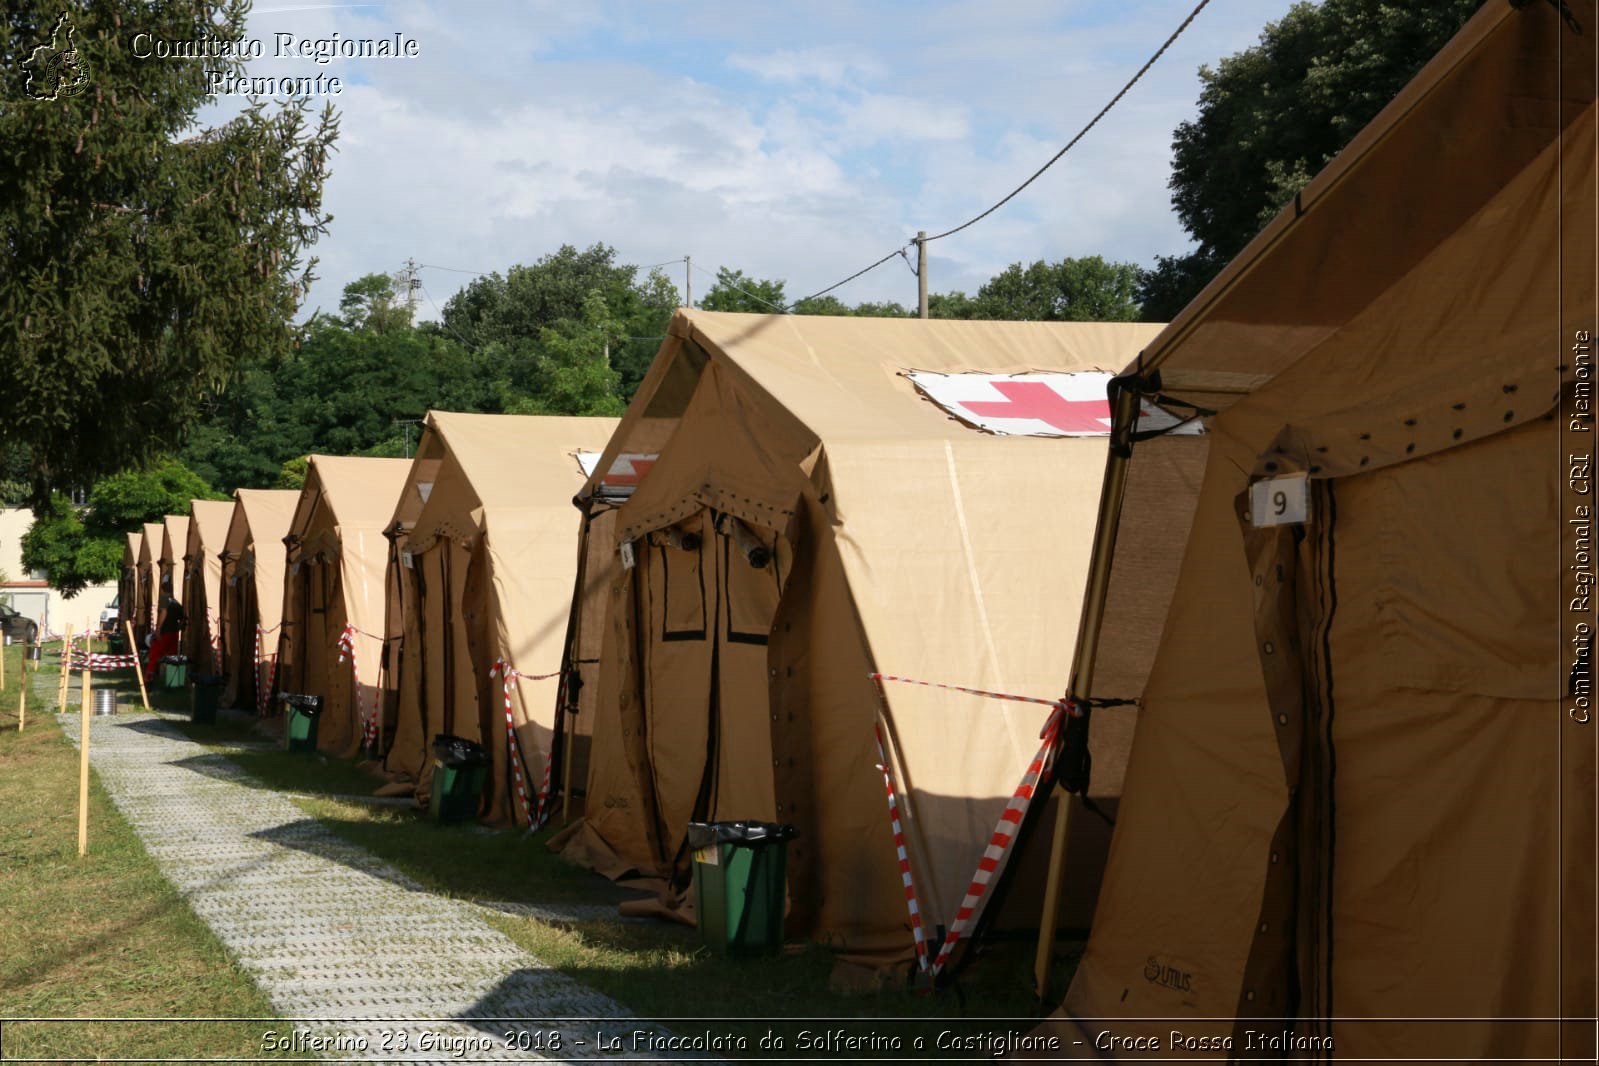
{"points": [[625, 474], [1037, 405]]}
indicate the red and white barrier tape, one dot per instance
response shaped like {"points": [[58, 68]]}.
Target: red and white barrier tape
{"points": [[1004, 835], [1062, 705], [215, 624], [1010, 819], [904, 857], [510, 674], [98, 663], [369, 722], [263, 695]]}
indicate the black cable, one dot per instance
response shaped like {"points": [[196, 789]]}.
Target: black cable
{"points": [[1084, 131], [1036, 174]]}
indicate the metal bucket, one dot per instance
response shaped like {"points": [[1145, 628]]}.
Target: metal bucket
{"points": [[105, 701], [35, 653]]}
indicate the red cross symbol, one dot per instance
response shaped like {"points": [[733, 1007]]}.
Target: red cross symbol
{"points": [[1034, 399]]}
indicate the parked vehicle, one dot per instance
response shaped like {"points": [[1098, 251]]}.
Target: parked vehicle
{"points": [[18, 627], [108, 617]]}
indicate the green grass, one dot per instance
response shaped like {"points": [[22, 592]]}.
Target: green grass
{"points": [[654, 969], [102, 935]]}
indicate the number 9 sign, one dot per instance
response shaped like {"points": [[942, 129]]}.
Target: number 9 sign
{"points": [[1280, 501]]}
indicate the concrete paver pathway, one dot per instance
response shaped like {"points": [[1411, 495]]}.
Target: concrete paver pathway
{"points": [[328, 931]]}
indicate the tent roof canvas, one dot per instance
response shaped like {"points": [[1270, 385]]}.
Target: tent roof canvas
{"points": [[952, 540]]}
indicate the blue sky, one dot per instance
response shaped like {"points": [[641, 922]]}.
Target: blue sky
{"points": [[797, 142]]}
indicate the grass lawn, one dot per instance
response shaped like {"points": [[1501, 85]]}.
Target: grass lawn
{"points": [[654, 969], [103, 935]]}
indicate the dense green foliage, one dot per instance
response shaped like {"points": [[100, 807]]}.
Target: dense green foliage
{"points": [[85, 548], [145, 259], [571, 334], [1274, 114]]}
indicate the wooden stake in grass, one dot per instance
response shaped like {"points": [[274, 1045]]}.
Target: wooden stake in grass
{"points": [[66, 669], [3, 667], [83, 770], [22, 707], [138, 668]]}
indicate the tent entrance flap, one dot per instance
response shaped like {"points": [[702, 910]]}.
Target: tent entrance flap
{"points": [[705, 591]]}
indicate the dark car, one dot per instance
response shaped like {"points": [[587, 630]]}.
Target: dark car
{"points": [[18, 627]]}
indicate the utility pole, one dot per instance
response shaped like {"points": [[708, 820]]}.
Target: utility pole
{"points": [[921, 271], [407, 423], [688, 281], [410, 283]]}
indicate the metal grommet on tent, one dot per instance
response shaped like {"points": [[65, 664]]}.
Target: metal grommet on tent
{"points": [[1282, 719], [1268, 647], [1259, 581], [1250, 996], [1274, 858]]}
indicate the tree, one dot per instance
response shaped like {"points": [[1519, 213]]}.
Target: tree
{"points": [[341, 390], [142, 259], [505, 316], [293, 473], [371, 303], [575, 374], [734, 291], [85, 548], [1072, 290], [1271, 116]]}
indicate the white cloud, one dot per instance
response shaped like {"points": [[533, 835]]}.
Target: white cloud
{"points": [[833, 65], [798, 148]]}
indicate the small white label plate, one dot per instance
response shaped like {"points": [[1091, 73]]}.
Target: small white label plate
{"points": [[1280, 501]]}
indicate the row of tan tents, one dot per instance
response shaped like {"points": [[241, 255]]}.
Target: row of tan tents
{"points": [[1325, 728]]}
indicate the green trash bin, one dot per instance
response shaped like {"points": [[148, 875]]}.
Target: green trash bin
{"points": [[301, 716], [459, 770], [205, 693], [740, 885], [174, 671]]}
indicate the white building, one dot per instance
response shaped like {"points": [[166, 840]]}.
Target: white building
{"points": [[31, 594]]}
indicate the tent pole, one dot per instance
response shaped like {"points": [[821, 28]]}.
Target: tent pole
{"points": [[1082, 678]]}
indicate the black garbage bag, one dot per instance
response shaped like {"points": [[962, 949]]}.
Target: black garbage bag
{"points": [[458, 753], [174, 660], [310, 706], [749, 834], [208, 680]]}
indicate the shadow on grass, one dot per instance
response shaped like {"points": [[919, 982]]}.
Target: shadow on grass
{"points": [[467, 861], [312, 837]]}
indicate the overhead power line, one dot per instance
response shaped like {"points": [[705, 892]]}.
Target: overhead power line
{"points": [[758, 299], [1178, 32], [453, 270]]}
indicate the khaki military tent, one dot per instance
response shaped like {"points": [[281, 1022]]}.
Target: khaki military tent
{"points": [[1361, 793], [149, 577], [202, 593], [174, 542], [252, 592], [806, 516], [335, 579], [490, 550], [130, 592]]}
